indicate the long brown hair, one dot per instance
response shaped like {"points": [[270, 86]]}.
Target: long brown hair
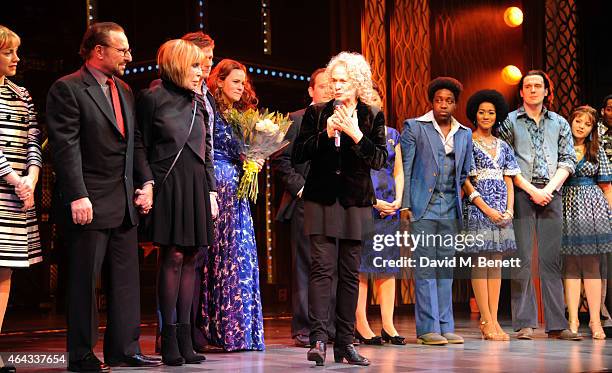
{"points": [[248, 99], [591, 143]]}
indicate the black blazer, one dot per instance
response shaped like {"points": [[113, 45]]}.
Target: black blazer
{"points": [[292, 175], [164, 114], [213, 104], [343, 174], [91, 157]]}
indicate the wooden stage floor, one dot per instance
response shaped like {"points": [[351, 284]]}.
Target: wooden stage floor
{"points": [[476, 355]]}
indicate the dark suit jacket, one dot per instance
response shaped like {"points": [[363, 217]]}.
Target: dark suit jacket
{"points": [[164, 113], [91, 157], [343, 174], [292, 175]]}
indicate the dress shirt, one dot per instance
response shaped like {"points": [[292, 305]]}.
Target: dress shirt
{"points": [[448, 141]]}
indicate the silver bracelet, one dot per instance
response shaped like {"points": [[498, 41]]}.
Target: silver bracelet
{"points": [[473, 196]]}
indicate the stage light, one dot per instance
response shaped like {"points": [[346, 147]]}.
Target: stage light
{"points": [[513, 16], [201, 14], [266, 21], [511, 75]]}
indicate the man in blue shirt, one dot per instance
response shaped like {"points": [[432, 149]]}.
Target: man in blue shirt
{"points": [[436, 152], [543, 144]]}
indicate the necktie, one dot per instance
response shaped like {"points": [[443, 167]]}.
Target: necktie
{"points": [[116, 105]]}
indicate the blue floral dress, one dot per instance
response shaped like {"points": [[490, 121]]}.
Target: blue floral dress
{"points": [[231, 302], [487, 176], [382, 180], [587, 219], [384, 189]]}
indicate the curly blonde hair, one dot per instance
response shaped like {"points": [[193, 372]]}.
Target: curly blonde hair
{"points": [[359, 72]]}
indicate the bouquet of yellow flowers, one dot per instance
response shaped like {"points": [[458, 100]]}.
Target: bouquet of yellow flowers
{"points": [[259, 134]]}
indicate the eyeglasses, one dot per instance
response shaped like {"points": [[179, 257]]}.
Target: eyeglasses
{"points": [[124, 51]]}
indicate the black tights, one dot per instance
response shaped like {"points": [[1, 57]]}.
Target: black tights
{"points": [[176, 283]]}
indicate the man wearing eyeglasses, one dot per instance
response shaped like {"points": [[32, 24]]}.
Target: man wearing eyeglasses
{"points": [[103, 181]]}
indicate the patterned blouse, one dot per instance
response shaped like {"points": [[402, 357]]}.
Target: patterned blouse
{"points": [[605, 139]]}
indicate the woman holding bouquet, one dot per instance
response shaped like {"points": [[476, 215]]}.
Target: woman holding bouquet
{"points": [[344, 140], [231, 303], [173, 122]]}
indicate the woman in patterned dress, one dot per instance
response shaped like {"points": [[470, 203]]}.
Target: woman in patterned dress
{"points": [[231, 302], [388, 183], [587, 228], [20, 163], [490, 206]]}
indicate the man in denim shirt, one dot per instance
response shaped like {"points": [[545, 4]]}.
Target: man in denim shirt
{"points": [[542, 141]]}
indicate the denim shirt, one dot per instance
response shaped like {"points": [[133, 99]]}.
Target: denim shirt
{"points": [[539, 157]]}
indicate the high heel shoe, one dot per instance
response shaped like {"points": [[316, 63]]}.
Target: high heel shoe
{"points": [[317, 353], [574, 325], [376, 340], [503, 336], [597, 330], [351, 355], [488, 332], [396, 339]]}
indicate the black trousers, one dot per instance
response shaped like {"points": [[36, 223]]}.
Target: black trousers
{"points": [[300, 263], [115, 251], [325, 261]]}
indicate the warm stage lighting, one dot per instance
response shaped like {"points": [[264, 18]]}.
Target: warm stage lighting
{"points": [[511, 75], [513, 16]]}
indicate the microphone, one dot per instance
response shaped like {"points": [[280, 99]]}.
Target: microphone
{"points": [[337, 104]]}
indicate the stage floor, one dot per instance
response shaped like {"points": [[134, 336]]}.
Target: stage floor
{"points": [[476, 355]]}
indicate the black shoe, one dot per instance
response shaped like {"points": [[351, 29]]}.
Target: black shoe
{"points": [[376, 340], [138, 360], [302, 341], [349, 353], [89, 363], [169, 346], [317, 353], [183, 336], [396, 339]]}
